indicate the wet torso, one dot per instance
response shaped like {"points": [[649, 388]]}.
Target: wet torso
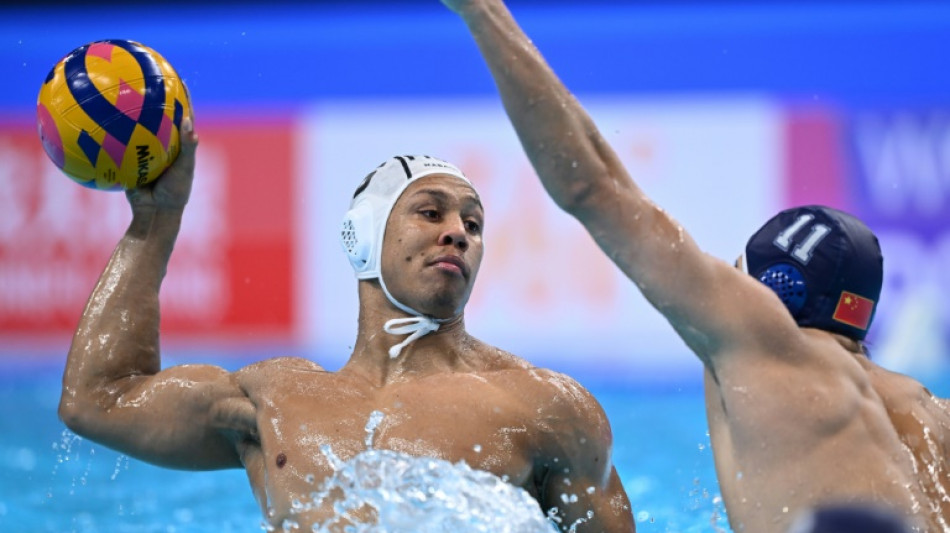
{"points": [[487, 419], [830, 428]]}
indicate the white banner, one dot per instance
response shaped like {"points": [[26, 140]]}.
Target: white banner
{"points": [[545, 291]]}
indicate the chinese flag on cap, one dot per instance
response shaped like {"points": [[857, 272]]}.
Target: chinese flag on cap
{"points": [[854, 310]]}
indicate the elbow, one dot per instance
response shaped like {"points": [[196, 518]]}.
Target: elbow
{"points": [[70, 414], [588, 175], [574, 196], [77, 415], [583, 197], [588, 183], [587, 193]]}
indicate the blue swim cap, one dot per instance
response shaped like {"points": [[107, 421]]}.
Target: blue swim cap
{"points": [[824, 264]]}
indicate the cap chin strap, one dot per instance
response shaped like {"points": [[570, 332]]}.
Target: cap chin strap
{"points": [[418, 326], [415, 326]]}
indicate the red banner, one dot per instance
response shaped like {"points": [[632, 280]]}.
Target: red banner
{"points": [[232, 267]]}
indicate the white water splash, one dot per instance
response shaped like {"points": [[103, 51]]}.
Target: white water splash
{"points": [[375, 418], [423, 495], [419, 495]]}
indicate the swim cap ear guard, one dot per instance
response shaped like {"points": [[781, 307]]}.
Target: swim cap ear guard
{"points": [[825, 265], [356, 235], [788, 282]]}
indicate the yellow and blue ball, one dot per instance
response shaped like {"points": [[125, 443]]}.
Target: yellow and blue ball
{"points": [[109, 114]]}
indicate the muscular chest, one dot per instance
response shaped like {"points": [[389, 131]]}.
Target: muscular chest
{"points": [[462, 421]]}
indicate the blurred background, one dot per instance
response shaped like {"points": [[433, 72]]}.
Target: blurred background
{"points": [[725, 112]]}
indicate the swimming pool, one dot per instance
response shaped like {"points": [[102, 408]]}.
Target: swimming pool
{"points": [[54, 481]]}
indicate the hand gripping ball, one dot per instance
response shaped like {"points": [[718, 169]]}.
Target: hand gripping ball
{"points": [[109, 114]]}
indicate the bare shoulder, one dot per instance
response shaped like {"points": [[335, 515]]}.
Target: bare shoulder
{"points": [[556, 397], [902, 391], [549, 394], [914, 410], [494, 359], [572, 430], [268, 368], [285, 362]]}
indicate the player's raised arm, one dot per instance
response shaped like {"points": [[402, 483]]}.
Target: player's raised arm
{"points": [[584, 176], [113, 389]]}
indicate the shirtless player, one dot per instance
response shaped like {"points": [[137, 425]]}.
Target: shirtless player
{"points": [[443, 393]]}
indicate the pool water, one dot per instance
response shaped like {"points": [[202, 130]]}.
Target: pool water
{"points": [[53, 481]]}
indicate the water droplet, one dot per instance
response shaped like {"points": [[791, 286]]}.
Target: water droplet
{"points": [[374, 420], [335, 462], [477, 448]]}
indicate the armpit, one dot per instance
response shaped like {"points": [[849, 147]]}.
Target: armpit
{"points": [[235, 414]]}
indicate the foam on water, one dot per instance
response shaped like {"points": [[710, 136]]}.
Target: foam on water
{"points": [[426, 495], [420, 495]]}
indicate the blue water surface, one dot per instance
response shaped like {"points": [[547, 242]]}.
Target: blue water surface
{"points": [[53, 481]]}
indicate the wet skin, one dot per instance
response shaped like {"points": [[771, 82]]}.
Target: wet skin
{"points": [[798, 417], [445, 395]]}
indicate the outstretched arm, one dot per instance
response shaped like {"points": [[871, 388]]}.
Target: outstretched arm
{"points": [[697, 293], [114, 391]]}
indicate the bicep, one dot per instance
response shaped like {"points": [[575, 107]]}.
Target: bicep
{"points": [[580, 480], [170, 418]]}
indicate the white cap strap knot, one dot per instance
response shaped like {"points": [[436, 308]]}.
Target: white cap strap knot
{"points": [[415, 327]]}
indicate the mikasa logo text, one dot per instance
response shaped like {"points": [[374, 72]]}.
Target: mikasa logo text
{"points": [[143, 157]]}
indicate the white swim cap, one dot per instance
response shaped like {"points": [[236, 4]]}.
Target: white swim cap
{"points": [[365, 223], [364, 227]]}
